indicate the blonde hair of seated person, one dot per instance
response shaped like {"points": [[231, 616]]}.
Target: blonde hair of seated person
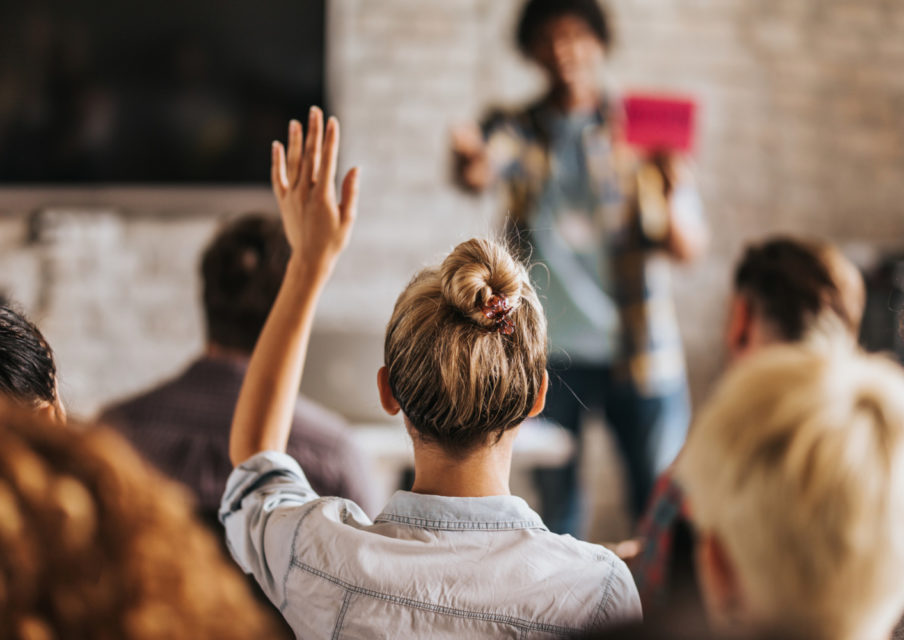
{"points": [[794, 474], [94, 544], [461, 380]]}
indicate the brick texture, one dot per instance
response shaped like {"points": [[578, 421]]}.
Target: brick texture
{"points": [[800, 133]]}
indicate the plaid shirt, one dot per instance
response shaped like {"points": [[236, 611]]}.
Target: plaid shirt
{"points": [[667, 510], [650, 350]]}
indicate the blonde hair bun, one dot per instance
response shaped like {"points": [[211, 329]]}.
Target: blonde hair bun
{"points": [[474, 272], [460, 376]]}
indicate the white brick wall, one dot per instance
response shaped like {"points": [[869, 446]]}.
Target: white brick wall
{"points": [[115, 295], [801, 132]]}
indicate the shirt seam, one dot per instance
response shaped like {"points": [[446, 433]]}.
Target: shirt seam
{"points": [[600, 617], [341, 618], [519, 623], [312, 505], [454, 525]]}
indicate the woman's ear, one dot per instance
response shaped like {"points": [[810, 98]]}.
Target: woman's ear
{"points": [[540, 402], [387, 399], [740, 325], [53, 411]]}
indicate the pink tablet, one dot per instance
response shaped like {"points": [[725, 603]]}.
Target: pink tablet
{"points": [[660, 122]]}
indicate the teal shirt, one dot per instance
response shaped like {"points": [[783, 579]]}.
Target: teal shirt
{"points": [[568, 235]]}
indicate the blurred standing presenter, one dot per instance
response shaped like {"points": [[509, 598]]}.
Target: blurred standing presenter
{"points": [[602, 224]]}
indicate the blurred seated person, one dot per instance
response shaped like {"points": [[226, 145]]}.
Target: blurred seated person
{"points": [[28, 372], [95, 544], [182, 426], [794, 476], [785, 291]]}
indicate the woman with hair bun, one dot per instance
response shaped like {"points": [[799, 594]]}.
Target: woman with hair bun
{"points": [[465, 363]]}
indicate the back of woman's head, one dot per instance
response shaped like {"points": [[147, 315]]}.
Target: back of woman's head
{"points": [[93, 544], [27, 369], [800, 287], [466, 347]]}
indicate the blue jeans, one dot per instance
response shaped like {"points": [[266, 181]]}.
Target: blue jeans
{"points": [[649, 432]]}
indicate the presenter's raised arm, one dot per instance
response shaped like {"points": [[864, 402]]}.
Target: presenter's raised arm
{"points": [[472, 167]]}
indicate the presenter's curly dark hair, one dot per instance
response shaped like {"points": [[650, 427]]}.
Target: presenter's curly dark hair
{"points": [[537, 13], [27, 369]]}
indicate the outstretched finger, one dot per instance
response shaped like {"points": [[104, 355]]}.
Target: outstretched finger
{"points": [[348, 208], [311, 163], [278, 170], [326, 182], [293, 167]]}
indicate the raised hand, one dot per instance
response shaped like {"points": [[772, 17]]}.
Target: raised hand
{"points": [[317, 227], [304, 182]]}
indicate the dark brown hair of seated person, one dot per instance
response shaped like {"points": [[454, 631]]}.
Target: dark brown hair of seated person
{"points": [[791, 283], [94, 544], [27, 368], [242, 270], [462, 372]]}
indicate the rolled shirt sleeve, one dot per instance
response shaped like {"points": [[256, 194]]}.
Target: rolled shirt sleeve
{"points": [[265, 502]]}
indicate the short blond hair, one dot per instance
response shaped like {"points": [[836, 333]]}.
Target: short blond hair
{"points": [[797, 466], [95, 544], [458, 379]]}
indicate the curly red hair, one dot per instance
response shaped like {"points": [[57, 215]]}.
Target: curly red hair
{"points": [[96, 544]]}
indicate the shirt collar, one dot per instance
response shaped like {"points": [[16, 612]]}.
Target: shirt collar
{"points": [[490, 513]]}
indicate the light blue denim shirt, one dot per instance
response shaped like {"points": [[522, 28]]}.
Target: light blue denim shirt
{"points": [[426, 567]]}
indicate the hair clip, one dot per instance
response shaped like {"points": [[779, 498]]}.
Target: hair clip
{"points": [[497, 309]]}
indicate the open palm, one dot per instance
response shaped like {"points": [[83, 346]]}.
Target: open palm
{"points": [[317, 226]]}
